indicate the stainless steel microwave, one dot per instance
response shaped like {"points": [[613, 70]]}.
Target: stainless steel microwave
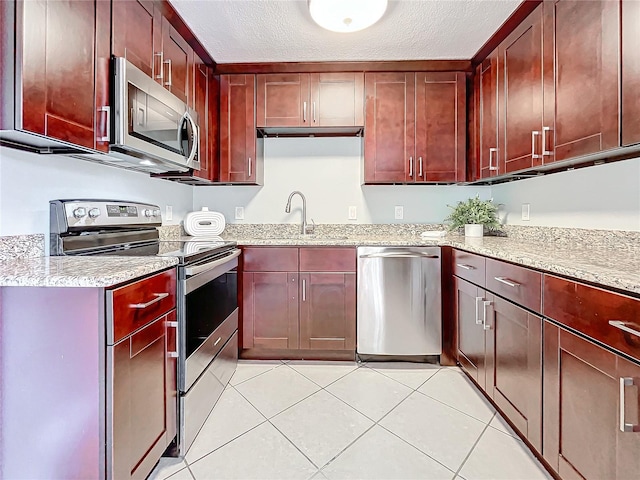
{"points": [[153, 130]]}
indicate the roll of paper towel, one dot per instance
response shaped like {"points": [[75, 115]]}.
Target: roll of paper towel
{"points": [[204, 223]]}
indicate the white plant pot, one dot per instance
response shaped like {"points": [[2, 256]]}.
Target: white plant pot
{"points": [[473, 230]]}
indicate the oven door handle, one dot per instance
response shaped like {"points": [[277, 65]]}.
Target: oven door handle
{"points": [[196, 269]]}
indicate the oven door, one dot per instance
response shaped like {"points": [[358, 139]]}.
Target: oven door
{"points": [[210, 313]]}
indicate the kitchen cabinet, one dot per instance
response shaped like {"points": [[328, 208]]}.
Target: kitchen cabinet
{"points": [[582, 53], [241, 157], [487, 88], [177, 61], [310, 100], [630, 72], [589, 394], [415, 127], [298, 302], [204, 101], [63, 69]]}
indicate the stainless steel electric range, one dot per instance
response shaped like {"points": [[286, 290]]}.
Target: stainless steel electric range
{"points": [[207, 292]]}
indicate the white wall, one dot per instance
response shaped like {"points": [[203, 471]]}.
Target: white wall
{"points": [[28, 181], [598, 197], [328, 172]]}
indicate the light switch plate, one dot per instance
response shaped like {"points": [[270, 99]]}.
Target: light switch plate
{"points": [[353, 213], [168, 215], [399, 212], [526, 210], [239, 213]]}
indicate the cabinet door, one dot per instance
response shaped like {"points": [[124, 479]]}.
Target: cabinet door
{"points": [[137, 34], [471, 335], [514, 366], [58, 70], [630, 72], [582, 394], [520, 70], [441, 127], [177, 61], [389, 134], [270, 310], [585, 37], [328, 311], [283, 100], [488, 153], [337, 99], [201, 106], [237, 128]]}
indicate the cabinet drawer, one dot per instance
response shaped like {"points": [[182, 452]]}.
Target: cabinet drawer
{"points": [[519, 284], [136, 304], [327, 259], [590, 309], [469, 266], [270, 259]]}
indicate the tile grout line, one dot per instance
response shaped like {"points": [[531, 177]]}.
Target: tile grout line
{"points": [[255, 376], [475, 444], [456, 409]]}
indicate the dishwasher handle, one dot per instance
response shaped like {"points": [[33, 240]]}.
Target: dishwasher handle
{"points": [[399, 255]]}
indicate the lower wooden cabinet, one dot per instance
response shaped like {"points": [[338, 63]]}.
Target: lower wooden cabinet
{"points": [[590, 396], [298, 310], [471, 332]]}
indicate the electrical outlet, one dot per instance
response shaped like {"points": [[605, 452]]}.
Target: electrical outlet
{"points": [[526, 210], [168, 214], [353, 213], [239, 213], [399, 212]]}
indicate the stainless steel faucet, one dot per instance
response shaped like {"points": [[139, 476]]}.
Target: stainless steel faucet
{"points": [[305, 228]]}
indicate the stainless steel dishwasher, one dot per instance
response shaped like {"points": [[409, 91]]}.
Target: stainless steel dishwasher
{"points": [[399, 301]]}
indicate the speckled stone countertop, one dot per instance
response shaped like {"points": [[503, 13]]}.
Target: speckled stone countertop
{"points": [[598, 260], [78, 271]]}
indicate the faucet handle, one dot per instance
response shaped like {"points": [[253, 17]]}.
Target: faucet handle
{"points": [[310, 229]]}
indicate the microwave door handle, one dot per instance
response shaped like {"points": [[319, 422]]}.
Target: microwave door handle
{"points": [[194, 145]]}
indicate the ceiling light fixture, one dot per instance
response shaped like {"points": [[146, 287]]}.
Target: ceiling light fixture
{"points": [[346, 15]]}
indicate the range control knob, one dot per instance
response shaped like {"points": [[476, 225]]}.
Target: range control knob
{"points": [[147, 213], [156, 212], [79, 212], [94, 213]]}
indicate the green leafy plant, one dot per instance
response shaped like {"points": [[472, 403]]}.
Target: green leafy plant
{"points": [[474, 211]]}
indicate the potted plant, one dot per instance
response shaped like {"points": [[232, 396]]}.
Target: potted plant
{"points": [[474, 215]]}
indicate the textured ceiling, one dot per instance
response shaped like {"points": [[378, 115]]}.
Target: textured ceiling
{"points": [[238, 31]]}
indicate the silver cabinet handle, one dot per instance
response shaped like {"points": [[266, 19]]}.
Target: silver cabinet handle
{"points": [[624, 383], [534, 134], [465, 266], [623, 326], [545, 130], [304, 112], [491, 152], [217, 341], [486, 324], [411, 166], [399, 255], [159, 296], [314, 112], [173, 325], [249, 162], [107, 129], [304, 290], [478, 300], [420, 171], [506, 281], [160, 76], [169, 82]]}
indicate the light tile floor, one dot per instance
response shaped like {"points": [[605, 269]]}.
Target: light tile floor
{"points": [[342, 420]]}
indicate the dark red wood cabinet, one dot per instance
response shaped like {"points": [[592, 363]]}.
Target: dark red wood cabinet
{"points": [[65, 75], [283, 100], [337, 99], [487, 105], [297, 300], [630, 72], [468, 312], [415, 127], [241, 160], [177, 62]]}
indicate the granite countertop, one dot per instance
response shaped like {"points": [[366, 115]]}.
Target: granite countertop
{"points": [[612, 266], [78, 271]]}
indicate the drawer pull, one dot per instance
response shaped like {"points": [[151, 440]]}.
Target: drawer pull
{"points": [[172, 324], [465, 266], [217, 341], [623, 326], [624, 383], [506, 281], [159, 296]]}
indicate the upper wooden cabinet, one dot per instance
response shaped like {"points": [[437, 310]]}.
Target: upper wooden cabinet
{"points": [[630, 72], [240, 151], [487, 113], [177, 61], [415, 129], [310, 100]]}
